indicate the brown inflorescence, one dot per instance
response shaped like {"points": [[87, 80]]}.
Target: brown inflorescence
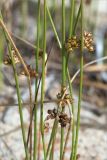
{"points": [[32, 72], [75, 42], [64, 100], [88, 41], [62, 118], [7, 60], [72, 43]]}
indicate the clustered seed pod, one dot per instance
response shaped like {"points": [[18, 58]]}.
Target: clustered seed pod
{"points": [[75, 42], [64, 100], [7, 60], [88, 41], [51, 114], [32, 72], [72, 43], [64, 119]]}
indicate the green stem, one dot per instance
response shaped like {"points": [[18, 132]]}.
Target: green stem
{"points": [[77, 18], [53, 26], [72, 28], [43, 80], [54, 129], [20, 107], [51, 157], [18, 94], [71, 17], [81, 84], [24, 10], [63, 42], [36, 85], [73, 120], [63, 71]]}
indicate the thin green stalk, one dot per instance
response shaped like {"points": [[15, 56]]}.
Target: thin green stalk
{"points": [[77, 18], [71, 17], [53, 26], [53, 133], [66, 141], [24, 11], [73, 120], [18, 94], [20, 107], [20, 58], [36, 85], [63, 70], [63, 42], [51, 157], [68, 75], [81, 84], [73, 27], [43, 80]]}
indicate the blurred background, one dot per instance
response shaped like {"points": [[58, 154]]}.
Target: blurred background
{"points": [[20, 17]]}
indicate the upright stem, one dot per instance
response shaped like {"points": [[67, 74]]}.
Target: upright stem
{"points": [[24, 10], [77, 18], [43, 79], [63, 49], [36, 85], [71, 17], [63, 70], [20, 107], [81, 84]]}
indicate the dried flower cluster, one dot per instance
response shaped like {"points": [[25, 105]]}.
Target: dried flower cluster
{"points": [[88, 41], [72, 43], [8, 61], [32, 72], [52, 114], [64, 98], [75, 42], [62, 118]]}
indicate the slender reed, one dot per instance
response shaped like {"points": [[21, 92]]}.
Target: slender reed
{"points": [[53, 144], [71, 17], [53, 26], [36, 84], [68, 75], [20, 106], [21, 60], [54, 129], [17, 89], [24, 13], [43, 80], [63, 70], [77, 18], [81, 84]]}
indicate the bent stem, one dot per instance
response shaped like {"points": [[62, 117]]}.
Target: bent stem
{"points": [[81, 84]]}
